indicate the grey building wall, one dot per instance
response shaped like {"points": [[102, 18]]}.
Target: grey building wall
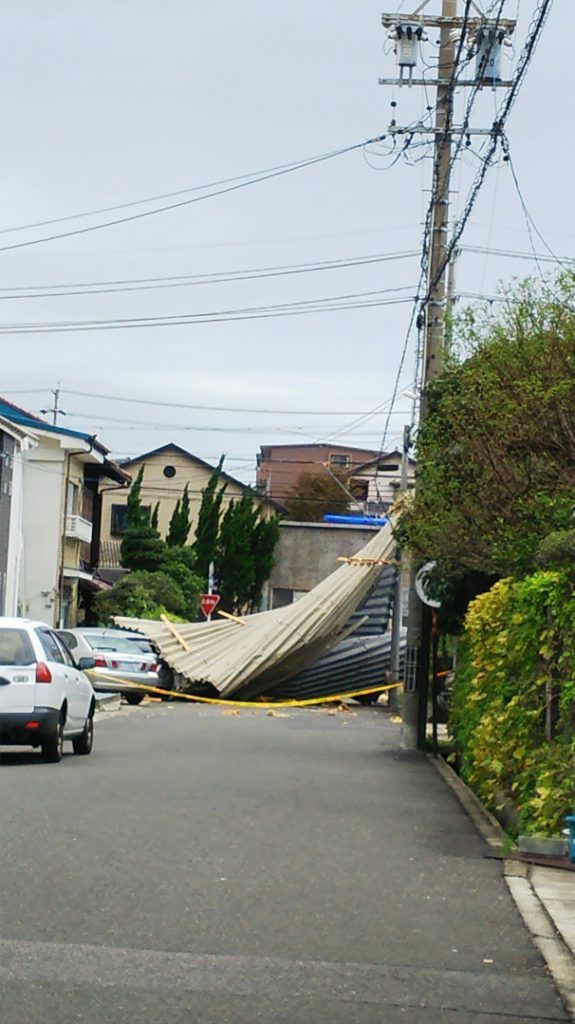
{"points": [[7, 446], [308, 552]]}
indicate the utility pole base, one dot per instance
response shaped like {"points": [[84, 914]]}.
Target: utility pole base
{"points": [[410, 716]]}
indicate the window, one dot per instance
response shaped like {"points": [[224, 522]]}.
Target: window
{"points": [[169, 471], [281, 597], [68, 659], [70, 640], [119, 518], [51, 647], [72, 499], [118, 645], [16, 647], [340, 461]]}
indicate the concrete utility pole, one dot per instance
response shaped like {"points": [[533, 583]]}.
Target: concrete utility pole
{"points": [[434, 334], [397, 611], [55, 410], [408, 33], [438, 246]]}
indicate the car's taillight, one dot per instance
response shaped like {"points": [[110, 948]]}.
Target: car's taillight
{"points": [[148, 668], [100, 663], [43, 674]]}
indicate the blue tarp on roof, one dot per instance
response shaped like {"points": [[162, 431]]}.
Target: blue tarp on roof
{"points": [[27, 419]]}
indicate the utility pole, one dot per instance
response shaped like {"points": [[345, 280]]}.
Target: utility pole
{"points": [[486, 37], [55, 410], [438, 247], [397, 611]]}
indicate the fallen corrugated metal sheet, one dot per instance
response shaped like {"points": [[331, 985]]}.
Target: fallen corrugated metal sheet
{"points": [[246, 660], [355, 664], [374, 613]]}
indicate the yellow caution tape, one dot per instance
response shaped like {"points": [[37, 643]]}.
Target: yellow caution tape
{"points": [[247, 703]]}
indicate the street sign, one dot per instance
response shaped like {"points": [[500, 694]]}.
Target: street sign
{"points": [[209, 603], [422, 583]]}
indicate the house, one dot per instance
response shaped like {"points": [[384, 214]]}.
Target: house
{"points": [[377, 482], [64, 476], [308, 552], [14, 443], [280, 465], [372, 478], [167, 471]]}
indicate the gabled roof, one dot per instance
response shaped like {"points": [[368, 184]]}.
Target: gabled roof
{"points": [[172, 447], [17, 431], [28, 419]]}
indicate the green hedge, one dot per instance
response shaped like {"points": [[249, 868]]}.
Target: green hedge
{"points": [[519, 640]]}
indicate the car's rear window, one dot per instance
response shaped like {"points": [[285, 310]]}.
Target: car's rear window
{"points": [[119, 644], [15, 647]]}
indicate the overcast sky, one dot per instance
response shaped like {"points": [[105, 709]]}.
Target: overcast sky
{"points": [[110, 103]]}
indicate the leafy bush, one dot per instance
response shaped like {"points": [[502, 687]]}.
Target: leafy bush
{"points": [[148, 595], [557, 550], [518, 648]]}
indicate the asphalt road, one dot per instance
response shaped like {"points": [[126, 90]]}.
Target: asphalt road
{"points": [[215, 868]]}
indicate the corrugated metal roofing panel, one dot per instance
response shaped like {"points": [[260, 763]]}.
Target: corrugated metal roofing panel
{"points": [[247, 659], [354, 664]]}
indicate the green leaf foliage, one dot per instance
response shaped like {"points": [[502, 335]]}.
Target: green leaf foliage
{"points": [[235, 564], [208, 525], [496, 453], [148, 595], [142, 547], [518, 647], [180, 523], [240, 542], [314, 495]]}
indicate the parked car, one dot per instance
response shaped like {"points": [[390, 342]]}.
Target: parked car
{"points": [[45, 696], [118, 655]]}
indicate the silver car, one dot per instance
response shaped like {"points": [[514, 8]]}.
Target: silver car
{"points": [[118, 655]]}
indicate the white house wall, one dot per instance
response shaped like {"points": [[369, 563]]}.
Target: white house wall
{"points": [[44, 472], [14, 563]]}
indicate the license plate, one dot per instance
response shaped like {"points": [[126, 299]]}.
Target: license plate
{"points": [[126, 666]]}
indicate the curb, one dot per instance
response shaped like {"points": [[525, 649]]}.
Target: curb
{"points": [[535, 915], [108, 702]]}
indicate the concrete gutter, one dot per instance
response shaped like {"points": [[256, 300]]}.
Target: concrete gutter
{"points": [[545, 897]]}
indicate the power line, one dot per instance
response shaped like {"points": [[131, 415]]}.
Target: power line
{"points": [[496, 138], [332, 304], [187, 280], [139, 202], [255, 180], [207, 408], [497, 133], [111, 421], [517, 255]]}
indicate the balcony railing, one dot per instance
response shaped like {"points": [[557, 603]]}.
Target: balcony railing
{"points": [[78, 528]]}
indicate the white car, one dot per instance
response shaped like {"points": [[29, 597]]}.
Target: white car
{"points": [[45, 697]]}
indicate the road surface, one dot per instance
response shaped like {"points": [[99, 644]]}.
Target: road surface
{"points": [[209, 867]]}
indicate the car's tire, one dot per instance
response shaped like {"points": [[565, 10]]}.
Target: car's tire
{"points": [[134, 698], [84, 743], [367, 698], [53, 746]]}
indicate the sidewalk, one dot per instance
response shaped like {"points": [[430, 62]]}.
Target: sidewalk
{"points": [[545, 896]]}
